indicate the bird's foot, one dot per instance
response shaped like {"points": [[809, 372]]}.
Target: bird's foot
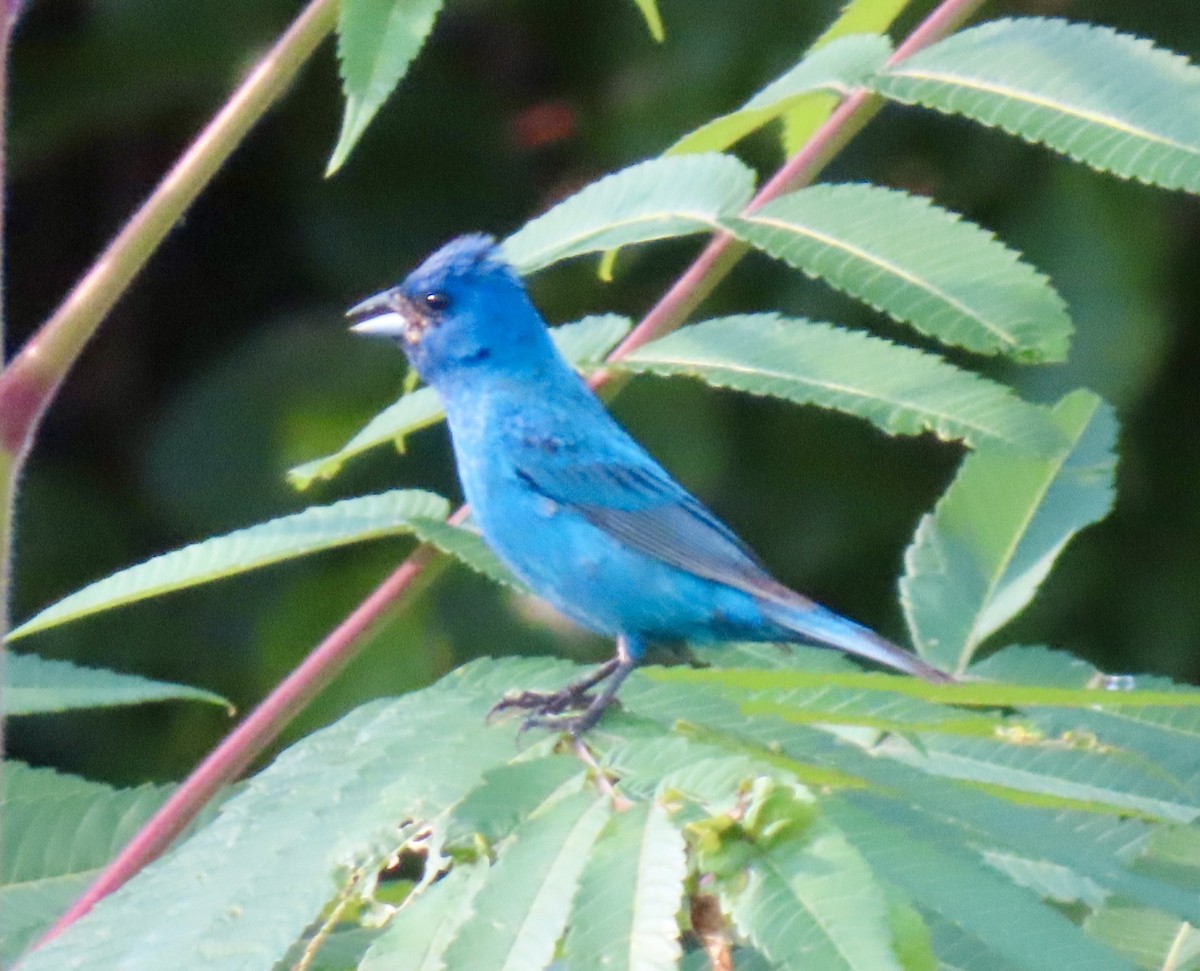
{"points": [[574, 725], [544, 703]]}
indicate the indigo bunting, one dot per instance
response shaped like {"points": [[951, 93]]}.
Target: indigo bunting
{"points": [[570, 502]]}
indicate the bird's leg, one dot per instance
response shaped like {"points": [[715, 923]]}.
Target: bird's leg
{"points": [[574, 695], [548, 708]]}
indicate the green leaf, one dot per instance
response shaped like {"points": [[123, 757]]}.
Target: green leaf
{"points": [[58, 832], [922, 265], [321, 820], [942, 878], [658, 199], [522, 909], [35, 685], [980, 556], [814, 903], [584, 343], [623, 917], [427, 924], [377, 40], [468, 547], [899, 389], [653, 18], [843, 64], [1109, 100], [510, 793], [861, 17], [1152, 940], [316, 528]]}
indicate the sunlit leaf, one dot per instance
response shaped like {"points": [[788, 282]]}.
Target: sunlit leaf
{"points": [[1112, 101], [623, 917], [898, 389], [842, 64], [922, 265], [58, 831], [316, 528], [980, 556], [658, 199], [36, 685], [377, 40]]}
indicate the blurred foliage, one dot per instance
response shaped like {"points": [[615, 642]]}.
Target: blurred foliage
{"points": [[228, 362]]}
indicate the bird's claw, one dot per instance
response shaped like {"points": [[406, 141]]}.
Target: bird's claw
{"points": [[573, 725], [542, 703], [548, 708]]}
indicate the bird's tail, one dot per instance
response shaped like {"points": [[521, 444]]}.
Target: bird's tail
{"points": [[816, 624]]}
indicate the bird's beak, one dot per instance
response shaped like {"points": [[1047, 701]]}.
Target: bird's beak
{"points": [[384, 315]]}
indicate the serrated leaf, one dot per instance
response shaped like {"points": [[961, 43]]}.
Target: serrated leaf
{"points": [[36, 685], [1112, 101], [654, 23], [1049, 767], [510, 793], [522, 909], [657, 199], [978, 559], [623, 916], [316, 528], [899, 389], [970, 692], [419, 934], [814, 903], [841, 64], [336, 804], [940, 877], [58, 831], [584, 343], [920, 264], [468, 547], [377, 40]]}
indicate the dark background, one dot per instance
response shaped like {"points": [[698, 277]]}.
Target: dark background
{"points": [[228, 361]]}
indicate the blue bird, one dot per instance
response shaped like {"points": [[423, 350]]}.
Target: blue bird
{"points": [[570, 502]]}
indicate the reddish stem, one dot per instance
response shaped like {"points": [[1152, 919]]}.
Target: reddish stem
{"points": [[261, 727]]}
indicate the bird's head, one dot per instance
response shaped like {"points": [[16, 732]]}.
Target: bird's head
{"points": [[462, 310]]}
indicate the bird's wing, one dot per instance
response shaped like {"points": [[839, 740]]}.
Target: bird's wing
{"points": [[638, 503]]}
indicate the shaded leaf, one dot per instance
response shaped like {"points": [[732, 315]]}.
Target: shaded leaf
{"points": [[377, 40], [898, 389], [658, 199], [316, 528], [36, 685], [977, 560], [584, 343], [1112, 101], [920, 264], [623, 917]]}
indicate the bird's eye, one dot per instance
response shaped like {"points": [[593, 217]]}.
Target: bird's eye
{"points": [[437, 300]]}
